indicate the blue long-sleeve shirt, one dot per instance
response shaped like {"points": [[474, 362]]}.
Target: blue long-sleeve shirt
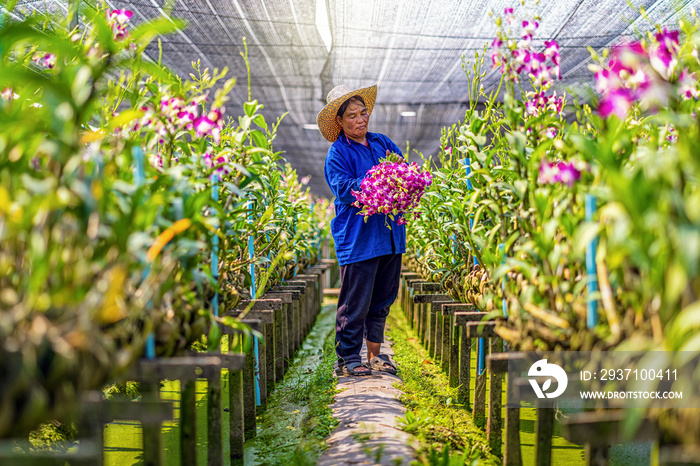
{"points": [[346, 165]]}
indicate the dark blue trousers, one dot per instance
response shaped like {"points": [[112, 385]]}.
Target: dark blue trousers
{"points": [[367, 291]]}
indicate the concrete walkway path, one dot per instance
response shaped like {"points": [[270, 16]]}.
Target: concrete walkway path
{"points": [[367, 408]]}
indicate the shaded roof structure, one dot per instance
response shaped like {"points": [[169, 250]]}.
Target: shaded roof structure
{"points": [[300, 49]]}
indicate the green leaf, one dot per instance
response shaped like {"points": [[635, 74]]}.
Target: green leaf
{"points": [[214, 339], [676, 282], [266, 217], [687, 321], [479, 140], [692, 345], [250, 108], [259, 138], [80, 88], [585, 233], [230, 321], [260, 121], [520, 187], [38, 186]]}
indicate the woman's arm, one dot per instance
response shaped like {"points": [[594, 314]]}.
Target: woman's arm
{"points": [[340, 180]]}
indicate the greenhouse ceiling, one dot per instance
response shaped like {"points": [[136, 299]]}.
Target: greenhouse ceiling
{"points": [[300, 49]]}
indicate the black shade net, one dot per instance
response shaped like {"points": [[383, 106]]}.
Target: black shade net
{"points": [[412, 49]]}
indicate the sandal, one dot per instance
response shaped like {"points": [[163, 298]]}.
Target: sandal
{"points": [[351, 369], [382, 363]]}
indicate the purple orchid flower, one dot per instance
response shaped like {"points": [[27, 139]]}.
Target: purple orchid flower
{"points": [[120, 16], [567, 173], [548, 173], [618, 102]]}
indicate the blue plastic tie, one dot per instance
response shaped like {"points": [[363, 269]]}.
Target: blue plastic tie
{"points": [[295, 234], [481, 359], [258, 401], [468, 170], [139, 174], [501, 248], [215, 248], [251, 255], [139, 179], [591, 272], [482, 356]]}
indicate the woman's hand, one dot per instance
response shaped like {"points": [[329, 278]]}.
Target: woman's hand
{"points": [[401, 159]]}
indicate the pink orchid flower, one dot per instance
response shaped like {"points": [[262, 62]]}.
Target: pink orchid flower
{"points": [[618, 102], [120, 16]]}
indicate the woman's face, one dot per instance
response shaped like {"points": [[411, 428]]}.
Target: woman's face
{"points": [[354, 120]]}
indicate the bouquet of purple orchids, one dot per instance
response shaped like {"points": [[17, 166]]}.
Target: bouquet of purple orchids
{"points": [[393, 188]]}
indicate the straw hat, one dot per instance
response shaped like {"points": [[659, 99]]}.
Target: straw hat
{"points": [[336, 97]]}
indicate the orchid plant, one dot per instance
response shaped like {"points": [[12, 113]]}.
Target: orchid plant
{"points": [[509, 176], [508, 232], [118, 180]]}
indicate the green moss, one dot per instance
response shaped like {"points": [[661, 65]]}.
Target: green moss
{"points": [[128, 390], [53, 436], [563, 451], [298, 418], [446, 427], [445, 430], [292, 430]]}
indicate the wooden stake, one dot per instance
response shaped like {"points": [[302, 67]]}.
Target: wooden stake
{"points": [[479, 412], [543, 434], [215, 455], [465, 356], [493, 426], [236, 405], [188, 422]]}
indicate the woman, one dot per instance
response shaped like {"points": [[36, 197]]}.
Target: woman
{"points": [[369, 253]]}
